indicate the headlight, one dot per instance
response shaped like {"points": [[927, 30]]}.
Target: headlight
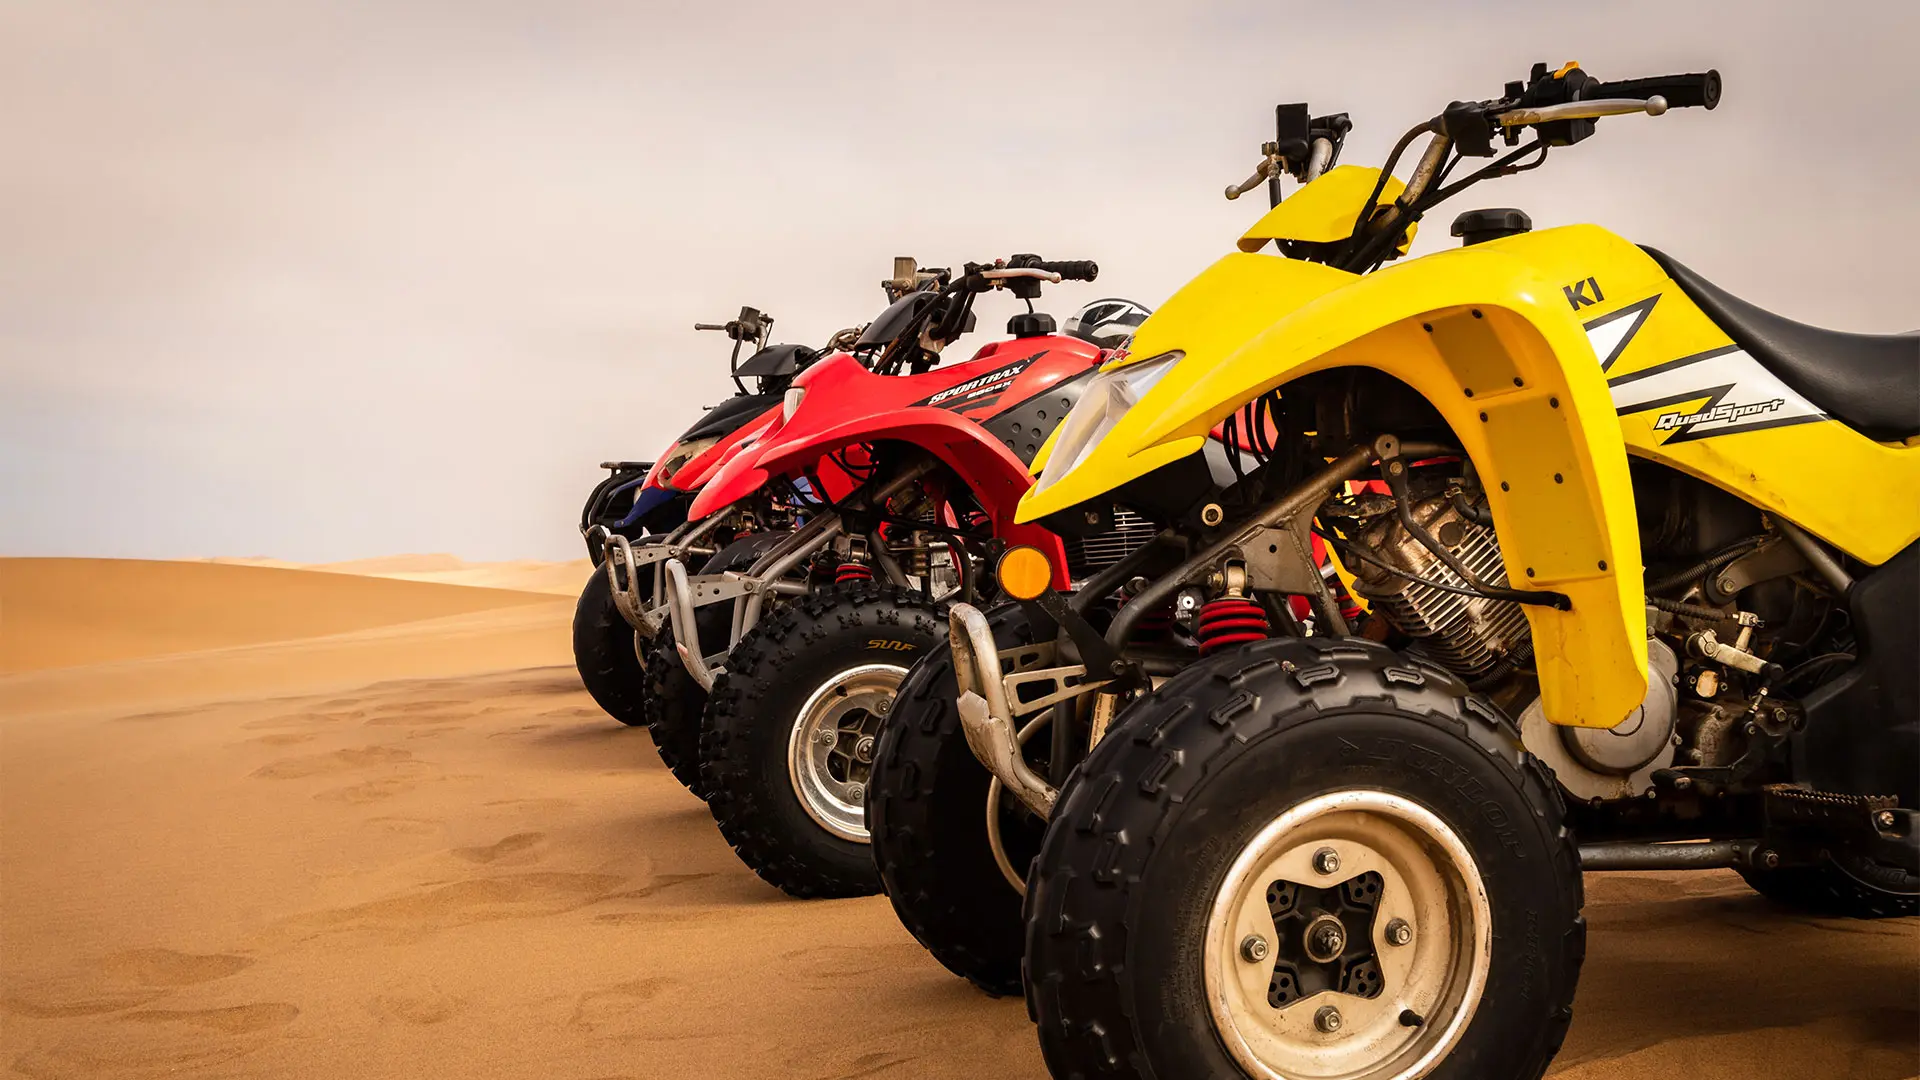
{"points": [[676, 456], [1105, 401]]}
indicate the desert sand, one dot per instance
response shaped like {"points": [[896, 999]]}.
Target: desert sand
{"points": [[263, 821]]}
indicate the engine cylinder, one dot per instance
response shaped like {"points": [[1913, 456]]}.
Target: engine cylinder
{"points": [[1468, 635]]}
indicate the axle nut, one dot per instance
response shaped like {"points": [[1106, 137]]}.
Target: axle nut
{"points": [[1326, 861]]}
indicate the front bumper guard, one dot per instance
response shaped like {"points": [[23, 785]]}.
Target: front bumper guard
{"points": [[992, 700]]}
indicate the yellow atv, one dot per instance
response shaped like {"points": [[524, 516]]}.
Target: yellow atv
{"points": [[1641, 568]]}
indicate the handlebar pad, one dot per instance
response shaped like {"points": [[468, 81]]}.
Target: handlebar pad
{"points": [[1701, 90], [1072, 269]]}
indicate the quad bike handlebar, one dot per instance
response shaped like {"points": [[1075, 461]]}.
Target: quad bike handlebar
{"points": [[1559, 106]]}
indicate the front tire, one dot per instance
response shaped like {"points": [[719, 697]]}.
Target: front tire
{"points": [[927, 811], [674, 701], [790, 732], [603, 654], [1404, 865]]}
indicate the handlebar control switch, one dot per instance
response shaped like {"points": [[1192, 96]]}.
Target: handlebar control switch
{"points": [[1479, 226]]}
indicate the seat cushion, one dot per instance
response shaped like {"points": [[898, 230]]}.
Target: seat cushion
{"points": [[1869, 382]]}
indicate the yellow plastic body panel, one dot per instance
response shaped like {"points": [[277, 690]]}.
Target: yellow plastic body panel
{"points": [[1859, 495], [1516, 380], [1323, 211], [1537, 349], [1209, 317]]}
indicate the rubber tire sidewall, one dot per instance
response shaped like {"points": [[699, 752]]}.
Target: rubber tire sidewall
{"points": [[674, 701], [604, 656], [749, 720], [1213, 756], [927, 813]]}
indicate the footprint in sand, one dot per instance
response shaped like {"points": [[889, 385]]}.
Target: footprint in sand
{"points": [[336, 761], [414, 1006], [165, 967], [516, 844], [284, 738], [371, 791], [233, 1020], [616, 1004], [160, 1041], [303, 720], [412, 713], [459, 903], [410, 826], [57, 1003]]}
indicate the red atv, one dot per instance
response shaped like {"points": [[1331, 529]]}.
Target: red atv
{"points": [[940, 457]]}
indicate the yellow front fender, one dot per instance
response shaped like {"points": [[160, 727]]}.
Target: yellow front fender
{"points": [[1493, 345]]}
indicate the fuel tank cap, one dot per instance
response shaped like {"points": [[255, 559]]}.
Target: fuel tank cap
{"points": [[1478, 226]]}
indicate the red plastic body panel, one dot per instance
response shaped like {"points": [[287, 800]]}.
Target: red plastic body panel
{"points": [[701, 467], [940, 411]]}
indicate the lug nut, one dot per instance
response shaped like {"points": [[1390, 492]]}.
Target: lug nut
{"points": [[1398, 932], [1326, 861], [1327, 1019], [883, 705], [1253, 949], [856, 793], [826, 738]]}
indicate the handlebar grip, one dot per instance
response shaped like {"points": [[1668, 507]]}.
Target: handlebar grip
{"points": [[1072, 269], [1700, 90]]}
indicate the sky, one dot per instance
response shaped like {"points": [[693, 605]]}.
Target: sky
{"points": [[326, 279]]}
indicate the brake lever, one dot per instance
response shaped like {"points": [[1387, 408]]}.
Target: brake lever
{"points": [[1021, 272], [1268, 169], [1582, 110]]}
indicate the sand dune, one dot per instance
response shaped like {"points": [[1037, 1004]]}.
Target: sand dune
{"points": [[526, 575], [413, 847], [63, 612]]}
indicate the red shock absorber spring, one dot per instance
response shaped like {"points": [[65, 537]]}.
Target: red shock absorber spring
{"points": [[1229, 621], [853, 571]]}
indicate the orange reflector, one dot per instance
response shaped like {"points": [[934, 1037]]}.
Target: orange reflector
{"points": [[1024, 572]]}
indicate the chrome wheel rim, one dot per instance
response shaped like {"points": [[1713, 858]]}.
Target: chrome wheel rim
{"points": [[1428, 938], [831, 745]]}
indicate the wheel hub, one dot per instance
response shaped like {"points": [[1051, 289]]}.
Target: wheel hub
{"points": [[1376, 914], [831, 747]]}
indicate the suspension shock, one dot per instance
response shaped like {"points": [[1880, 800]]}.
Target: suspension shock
{"points": [[1230, 621], [852, 571], [1232, 618]]}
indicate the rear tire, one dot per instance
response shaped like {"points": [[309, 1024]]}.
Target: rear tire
{"points": [[927, 814], [603, 653], [788, 800], [1853, 888], [1231, 779]]}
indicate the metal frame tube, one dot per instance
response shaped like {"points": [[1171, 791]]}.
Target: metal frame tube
{"points": [[1304, 498], [1816, 555], [1692, 855]]}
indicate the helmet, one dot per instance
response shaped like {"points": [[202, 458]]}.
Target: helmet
{"points": [[1107, 323]]}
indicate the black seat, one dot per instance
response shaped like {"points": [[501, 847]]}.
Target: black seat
{"points": [[1869, 382]]}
